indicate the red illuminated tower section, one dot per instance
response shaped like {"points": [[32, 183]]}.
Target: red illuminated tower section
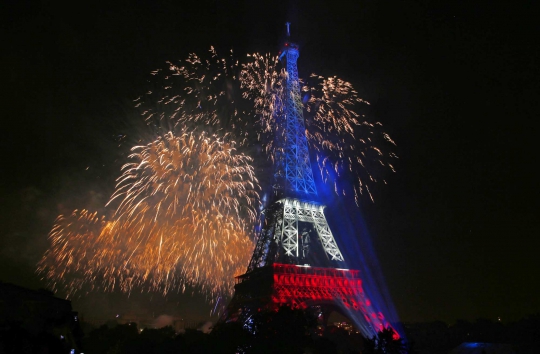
{"points": [[296, 260], [302, 287]]}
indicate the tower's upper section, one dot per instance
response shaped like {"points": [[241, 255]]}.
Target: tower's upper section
{"points": [[293, 173], [289, 47]]}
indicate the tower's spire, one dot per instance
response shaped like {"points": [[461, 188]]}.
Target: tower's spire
{"points": [[288, 29]]}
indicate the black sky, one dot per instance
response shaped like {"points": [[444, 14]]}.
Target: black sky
{"points": [[456, 86]]}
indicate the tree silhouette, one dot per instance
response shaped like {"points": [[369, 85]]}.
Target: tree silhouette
{"points": [[285, 331], [385, 342]]}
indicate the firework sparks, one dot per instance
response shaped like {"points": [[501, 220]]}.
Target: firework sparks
{"points": [[73, 249], [186, 205], [195, 92], [246, 101], [348, 146]]}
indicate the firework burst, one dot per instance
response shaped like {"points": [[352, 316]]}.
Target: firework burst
{"points": [[186, 205]]}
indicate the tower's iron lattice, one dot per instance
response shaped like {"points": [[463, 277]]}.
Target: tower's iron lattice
{"points": [[296, 258]]}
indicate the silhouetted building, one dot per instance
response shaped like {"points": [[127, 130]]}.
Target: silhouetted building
{"points": [[39, 316]]}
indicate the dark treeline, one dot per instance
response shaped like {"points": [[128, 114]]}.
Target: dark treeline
{"points": [[523, 335], [294, 331], [284, 331]]}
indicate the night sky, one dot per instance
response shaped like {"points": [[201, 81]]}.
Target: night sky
{"points": [[456, 86]]}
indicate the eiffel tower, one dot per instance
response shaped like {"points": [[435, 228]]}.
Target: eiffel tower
{"points": [[296, 261]]}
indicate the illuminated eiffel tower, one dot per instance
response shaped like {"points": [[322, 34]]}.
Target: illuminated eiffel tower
{"points": [[296, 260]]}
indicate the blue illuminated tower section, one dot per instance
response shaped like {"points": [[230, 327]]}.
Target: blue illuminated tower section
{"points": [[296, 166]]}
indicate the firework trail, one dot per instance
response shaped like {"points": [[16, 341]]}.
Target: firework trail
{"points": [[186, 205]]}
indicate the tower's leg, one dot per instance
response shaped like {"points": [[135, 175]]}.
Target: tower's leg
{"points": [[325, 235], [267, 245], [290, 231]]}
